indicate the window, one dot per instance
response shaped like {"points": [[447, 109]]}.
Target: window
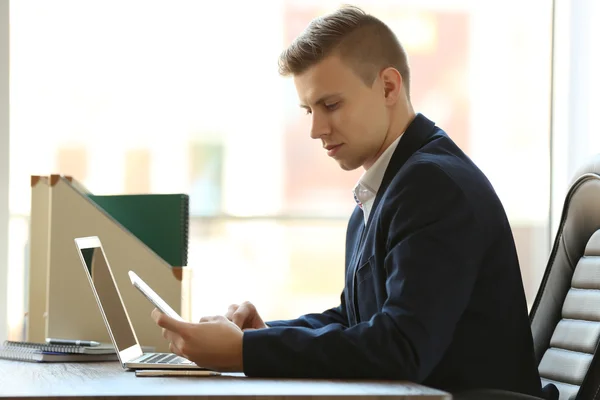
{"points": [[184, 96], [576, 94]]}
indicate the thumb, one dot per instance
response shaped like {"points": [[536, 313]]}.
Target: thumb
{"points": [[164, 321]]}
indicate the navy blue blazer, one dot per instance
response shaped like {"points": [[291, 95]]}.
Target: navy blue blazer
{"points": [[433, 290]]}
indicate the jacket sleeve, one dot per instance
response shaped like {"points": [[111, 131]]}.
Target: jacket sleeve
{"points": [[335, 315], [432, 255]]}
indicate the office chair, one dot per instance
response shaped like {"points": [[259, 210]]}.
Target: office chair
{"points": [[565, 317]]}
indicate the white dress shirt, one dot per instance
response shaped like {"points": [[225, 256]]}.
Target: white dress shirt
{"points": [[370, 181]]}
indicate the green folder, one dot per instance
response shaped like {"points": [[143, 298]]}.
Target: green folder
{"points": [[161, 221]]}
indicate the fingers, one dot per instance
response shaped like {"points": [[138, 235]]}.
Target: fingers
{"points": [[174, 349], [243, 314], [231, 310], [211, 318], [176, 342], [164, 321], [167, 334], [235, 315], [177, 346]]}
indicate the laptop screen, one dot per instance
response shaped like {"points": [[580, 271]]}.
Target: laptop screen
{"points": [[108, 295]]}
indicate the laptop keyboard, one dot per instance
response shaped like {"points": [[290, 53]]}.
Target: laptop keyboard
{"points": [[166, 358]]}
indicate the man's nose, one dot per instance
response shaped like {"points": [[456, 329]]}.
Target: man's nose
{"points": [[320, 127]]}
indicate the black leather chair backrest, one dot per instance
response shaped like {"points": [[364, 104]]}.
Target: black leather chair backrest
{"points": [[565, 317]]}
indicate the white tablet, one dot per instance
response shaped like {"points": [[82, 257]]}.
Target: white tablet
{"points": [[152, 296]]}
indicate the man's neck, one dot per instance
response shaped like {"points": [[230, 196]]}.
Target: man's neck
{"points": [[400, 121]]}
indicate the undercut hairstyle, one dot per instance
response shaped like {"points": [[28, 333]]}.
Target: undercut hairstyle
{"points": [[362, 41]]}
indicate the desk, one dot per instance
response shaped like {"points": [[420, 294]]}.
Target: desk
{"points": [[108, 379]]}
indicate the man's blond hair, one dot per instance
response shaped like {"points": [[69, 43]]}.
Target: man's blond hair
{"points": [[364, 42]]}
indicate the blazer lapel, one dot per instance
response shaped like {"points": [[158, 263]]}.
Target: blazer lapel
{"points": [[418, 133]]}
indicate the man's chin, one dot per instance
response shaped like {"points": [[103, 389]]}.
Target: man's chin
{"points": [[347, 166]]}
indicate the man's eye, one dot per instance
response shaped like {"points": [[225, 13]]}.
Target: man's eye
{"points": [[332, 106], [308, 111]]}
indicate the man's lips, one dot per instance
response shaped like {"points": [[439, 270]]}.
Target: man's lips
{"points": [[332, 149]]}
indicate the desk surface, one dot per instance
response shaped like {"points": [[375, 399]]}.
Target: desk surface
{"points": [[108, 379]]}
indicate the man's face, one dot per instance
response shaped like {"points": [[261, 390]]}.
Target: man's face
{"points": [[350, 118]]}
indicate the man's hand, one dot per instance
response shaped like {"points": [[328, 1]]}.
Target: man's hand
{"points": [[215, 343], [245, 316]]}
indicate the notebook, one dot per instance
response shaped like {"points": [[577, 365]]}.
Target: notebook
{"points": [[159, 220], [35, 355], [55, 348]]}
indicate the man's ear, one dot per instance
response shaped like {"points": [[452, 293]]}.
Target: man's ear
{"points": [[392, 85]]}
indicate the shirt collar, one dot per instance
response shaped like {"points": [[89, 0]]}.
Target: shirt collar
{"points": [[368, 185]]}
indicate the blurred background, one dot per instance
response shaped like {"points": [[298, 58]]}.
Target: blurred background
{"points": [[144, 96]]}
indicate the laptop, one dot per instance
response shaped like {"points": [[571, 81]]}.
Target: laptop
{"points": [[115, 315]]}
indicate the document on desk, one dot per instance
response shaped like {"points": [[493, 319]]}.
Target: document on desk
{"points": [[175, 372]]}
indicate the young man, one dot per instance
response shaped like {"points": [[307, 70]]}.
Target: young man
{"points": [[433, 289]]}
